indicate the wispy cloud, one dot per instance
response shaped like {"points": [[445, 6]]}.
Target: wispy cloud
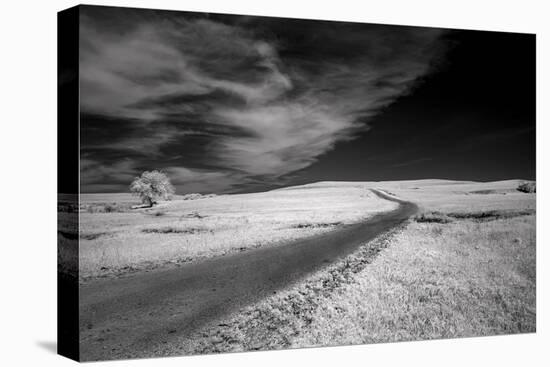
{"points": [[258, 98], [99, 177]]}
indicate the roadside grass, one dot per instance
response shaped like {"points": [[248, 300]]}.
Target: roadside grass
{"points": [[431, 280], [178, 231], [461, 279]]}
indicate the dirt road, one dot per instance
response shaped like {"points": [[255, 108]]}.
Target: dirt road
{"points": [[128, 317]]}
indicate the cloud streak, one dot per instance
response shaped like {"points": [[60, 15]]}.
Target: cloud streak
{"points": [[221, 101]]}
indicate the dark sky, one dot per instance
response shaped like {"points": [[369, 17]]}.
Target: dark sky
{"points": [[474, 119], [234, 103]]}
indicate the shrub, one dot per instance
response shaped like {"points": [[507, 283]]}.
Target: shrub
{"points": [[528, 187], [316, 225], [433, 217], [484, 216], [174, 230], [492, 214], [196, 196], [110, 208], [105, 207]]}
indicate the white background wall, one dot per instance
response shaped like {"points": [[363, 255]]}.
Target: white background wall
{"points": [[28, 180]]}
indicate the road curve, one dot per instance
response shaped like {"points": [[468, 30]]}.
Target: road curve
{"points": [[128, 317]]}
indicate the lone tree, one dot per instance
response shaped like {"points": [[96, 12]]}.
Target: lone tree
{"points": [[151, 186]]}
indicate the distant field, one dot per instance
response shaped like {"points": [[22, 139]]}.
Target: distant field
{"points": [[180, 231], [466, 197], [472, 274], [451, 195], [109, 198]]}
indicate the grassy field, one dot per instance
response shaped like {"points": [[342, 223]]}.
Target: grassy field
{"points": [[115, 239], [464, 266], [469, 270]]}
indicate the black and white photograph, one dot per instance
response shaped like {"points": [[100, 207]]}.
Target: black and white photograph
{"points": [[237, 183]]}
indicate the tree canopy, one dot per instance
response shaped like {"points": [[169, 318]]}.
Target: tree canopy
{"points": [[152, 186]]}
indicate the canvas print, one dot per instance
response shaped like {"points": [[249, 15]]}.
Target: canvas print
{"points": [[232, 183]]}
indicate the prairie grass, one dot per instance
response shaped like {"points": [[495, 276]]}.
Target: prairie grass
{"points": [[196, 228], [174, 230], [106, 207], [438, 217], [432, 217], [467, 279], [316, 225], [431, 280], [463, 267]]}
